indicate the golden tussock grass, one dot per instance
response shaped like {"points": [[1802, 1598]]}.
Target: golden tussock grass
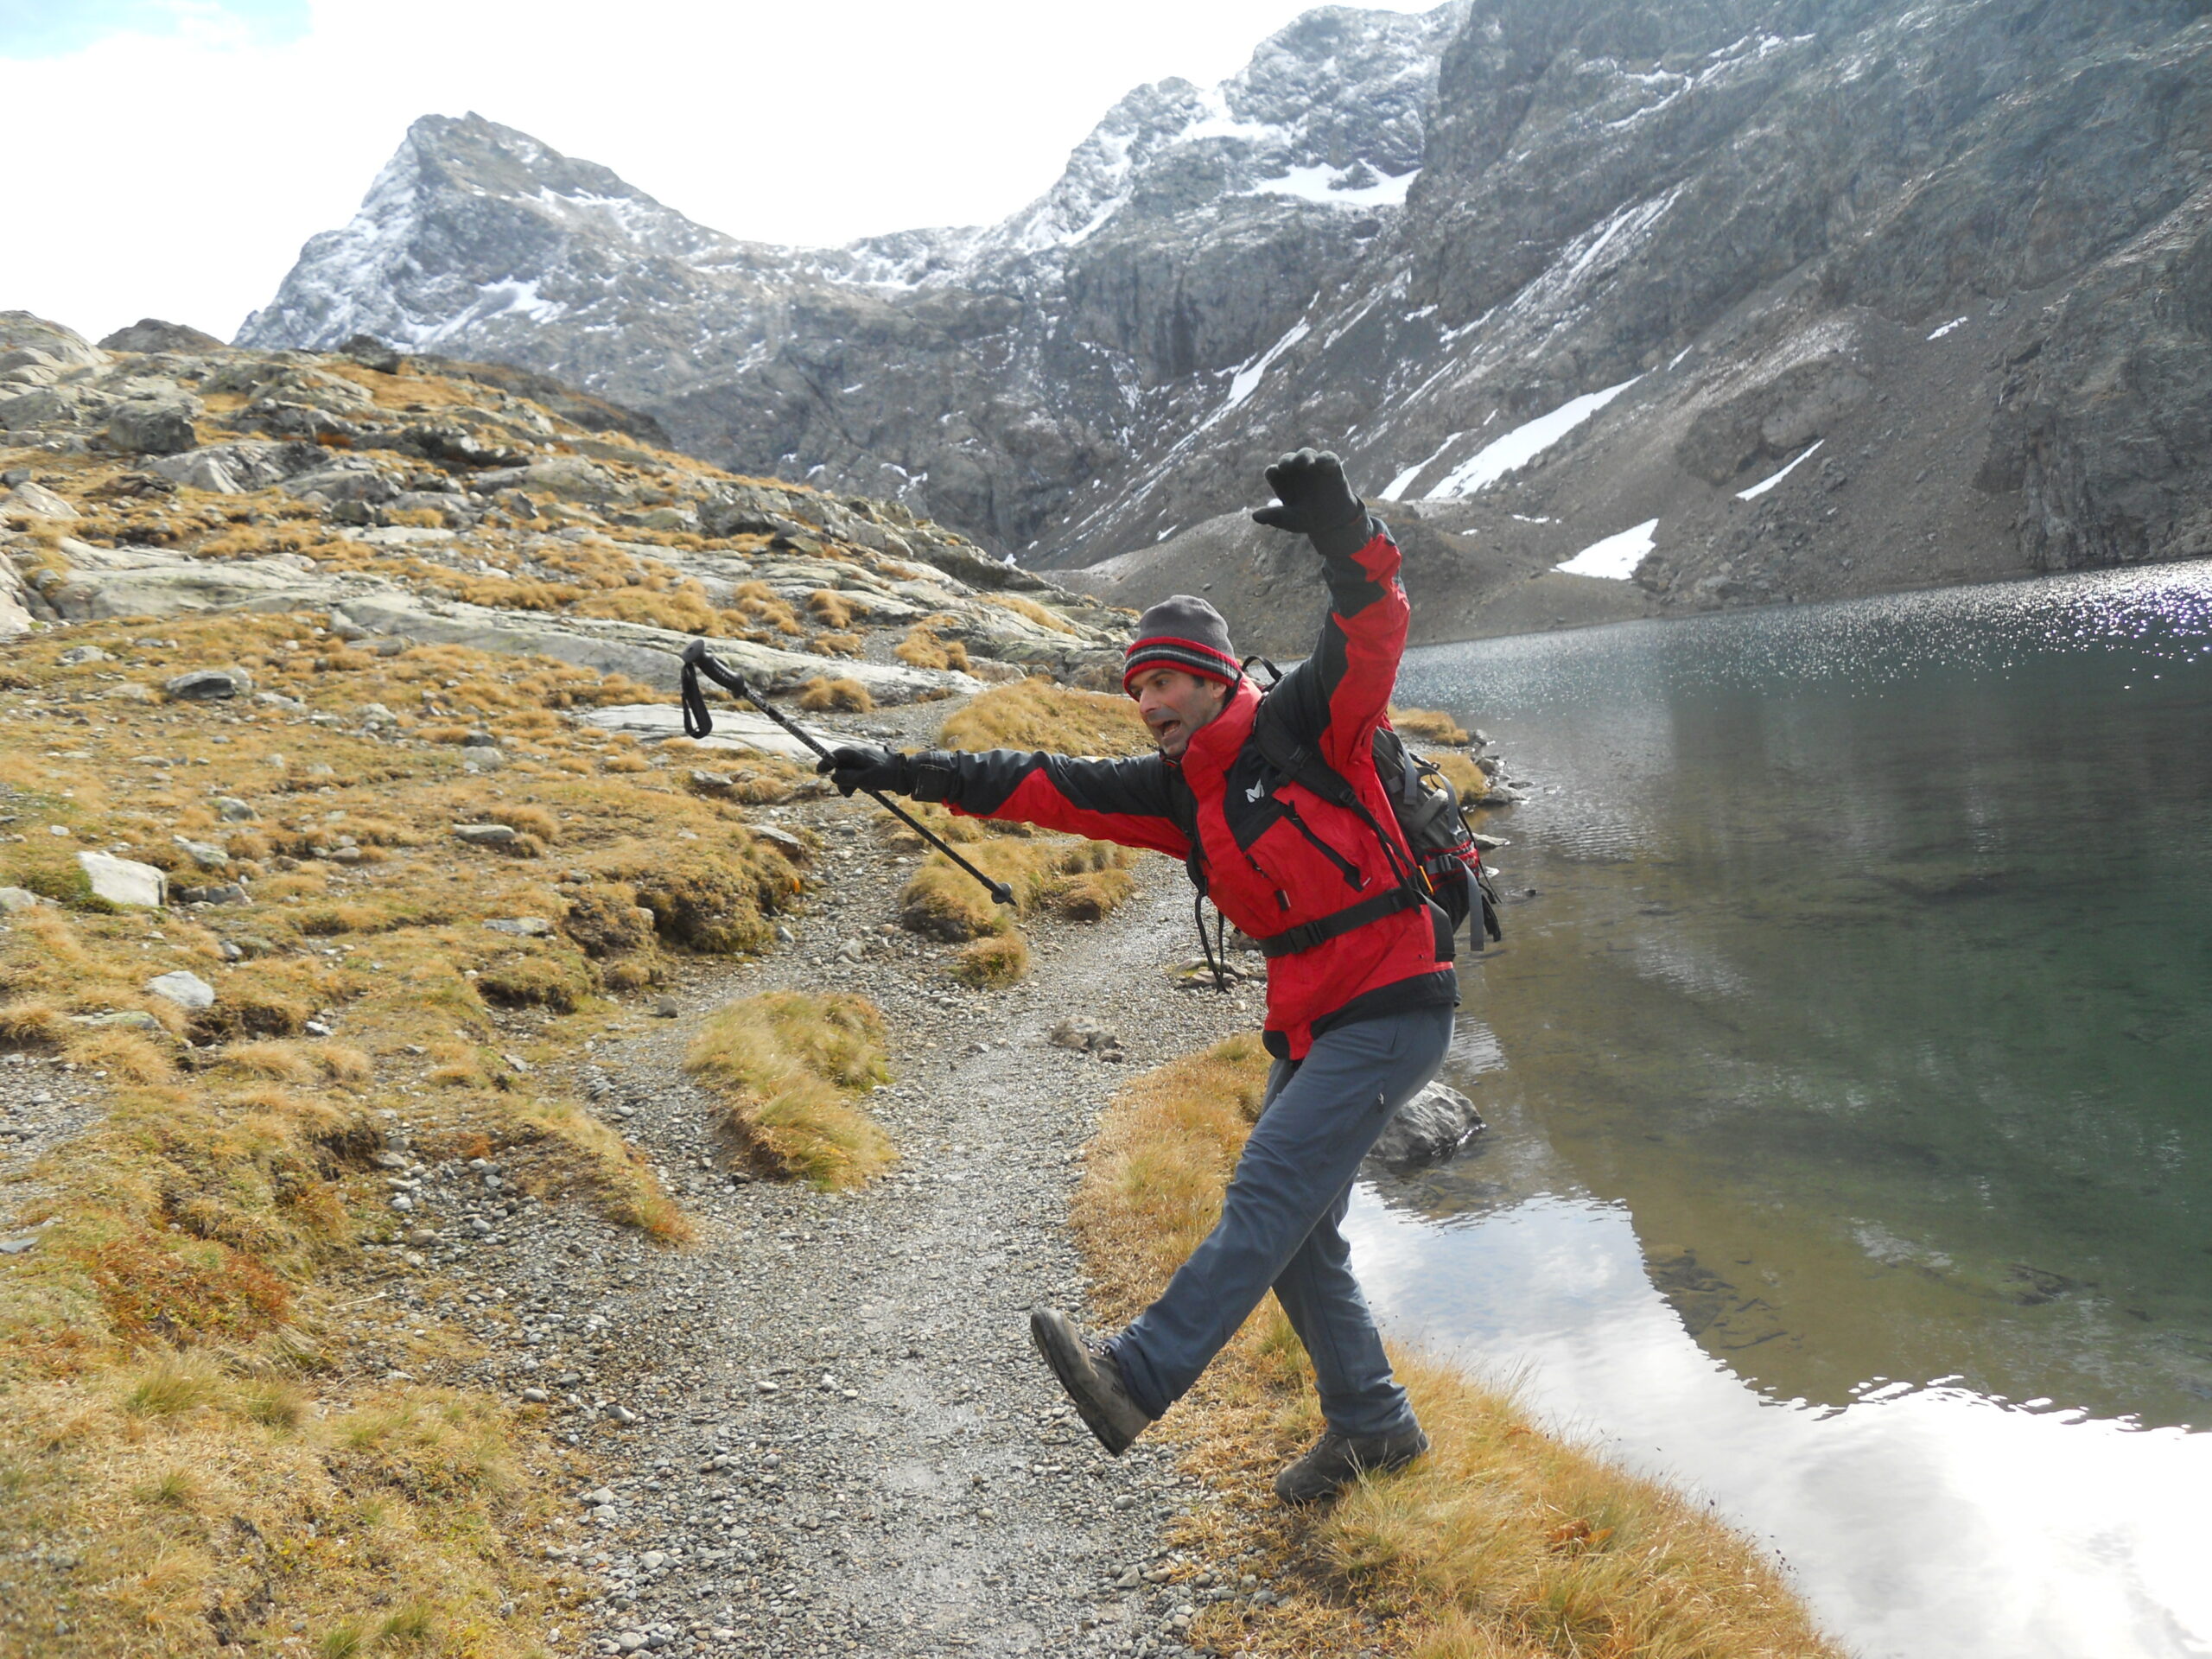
{"points": [[1084, 880], [830, 608], [836, 644], [792, 1067], [921, 648], [841, 697], [1464, 775], [1428, 725], [993, 962], [1505, 1542], [1030, 610], [1036, 713], [195, 1283]]}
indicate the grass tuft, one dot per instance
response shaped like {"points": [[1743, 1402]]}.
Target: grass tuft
{"points": [[839, 696], [1430, 725], [171, 1387], [994, 962], [792, 1066], [1035, 714], [921, 648]]}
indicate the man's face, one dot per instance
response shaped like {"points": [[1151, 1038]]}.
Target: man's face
{"points": [[1174, 704]]}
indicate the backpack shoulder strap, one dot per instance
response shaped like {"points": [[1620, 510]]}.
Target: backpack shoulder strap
{"points": [[1295, 760]]}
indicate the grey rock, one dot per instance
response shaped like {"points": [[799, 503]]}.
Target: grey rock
{"points": [[522, 927], [153, 427], [231, 809], [124, 881], [1428, 1129], [227, 467], [485, 835], [34, 498], [28, 412], [1087, 1035], [206, 854], [78, 656], [21, 329], [126, 1020], [13, 900], [226, 893], [186, 989], [209, 685]]}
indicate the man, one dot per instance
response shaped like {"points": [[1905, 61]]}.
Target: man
{"points": [[1359, 999]]}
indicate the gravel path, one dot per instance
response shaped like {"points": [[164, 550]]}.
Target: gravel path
{"points": [[840, 1439]]}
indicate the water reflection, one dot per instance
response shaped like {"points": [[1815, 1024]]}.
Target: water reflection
{"points": [[1932, 1522], [1853, 1024]]}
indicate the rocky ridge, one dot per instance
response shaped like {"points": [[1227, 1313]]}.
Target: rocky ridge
{"points": [[1579, 283], [416, 501]]}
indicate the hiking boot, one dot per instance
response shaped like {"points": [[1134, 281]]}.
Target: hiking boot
{"points": [[1087, 1371], [1336, 1460]]}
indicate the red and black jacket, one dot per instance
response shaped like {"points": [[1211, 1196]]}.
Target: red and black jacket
{"points": [[1273, 856]]}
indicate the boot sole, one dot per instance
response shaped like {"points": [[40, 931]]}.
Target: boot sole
{"points": [[1071, 1365]]}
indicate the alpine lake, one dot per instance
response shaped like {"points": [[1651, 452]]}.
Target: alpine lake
{"points": [[1847, 1066]]}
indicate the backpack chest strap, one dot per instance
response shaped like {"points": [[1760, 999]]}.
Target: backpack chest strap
{"points": [[1306, 935]]}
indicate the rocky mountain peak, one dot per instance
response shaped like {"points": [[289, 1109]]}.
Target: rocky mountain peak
{"points": [[1551, 276]]}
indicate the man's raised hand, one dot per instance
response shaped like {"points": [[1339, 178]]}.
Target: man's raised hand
{"points": [[1317, 503], [863, 765]]}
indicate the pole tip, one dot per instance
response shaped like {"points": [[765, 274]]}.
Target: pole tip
{"points": [[1002, 892]]}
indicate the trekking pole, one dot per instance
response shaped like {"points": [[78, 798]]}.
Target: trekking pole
{"points": [[698, 723]]}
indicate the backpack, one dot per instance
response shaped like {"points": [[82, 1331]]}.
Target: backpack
{"points": [[1447, 866]]}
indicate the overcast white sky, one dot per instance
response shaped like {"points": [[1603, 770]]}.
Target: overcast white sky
{"points": [[186, 148]]}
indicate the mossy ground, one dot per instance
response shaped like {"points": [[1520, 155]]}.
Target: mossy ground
{"points": [[187, 1457], [1506, 1540]]}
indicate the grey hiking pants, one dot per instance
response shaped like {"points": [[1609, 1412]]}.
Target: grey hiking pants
{"points": [[1279, 1227]]}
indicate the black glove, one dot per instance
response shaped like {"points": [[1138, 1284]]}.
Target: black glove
{"points": [[863, 765], [1317, 503]]}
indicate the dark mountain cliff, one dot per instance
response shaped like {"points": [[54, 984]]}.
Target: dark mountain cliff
{"points": [[1551, 273]]}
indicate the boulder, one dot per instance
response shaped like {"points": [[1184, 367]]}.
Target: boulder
{"points": [[15, 602], [13, 899], [569, 477], [152, 427], [346, 480], [231, 809], [1428, 1129], [188, 990], [122, 1020], [124, 881], [209, 685], [22, 328], [148, 582], [252, 464], [221, 892], [485, 835], [34, 498], [43, 406], [205, 854], [734, 728]]}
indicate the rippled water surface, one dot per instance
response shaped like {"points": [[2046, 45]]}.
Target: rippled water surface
{"points": [[1849, 1069]]}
